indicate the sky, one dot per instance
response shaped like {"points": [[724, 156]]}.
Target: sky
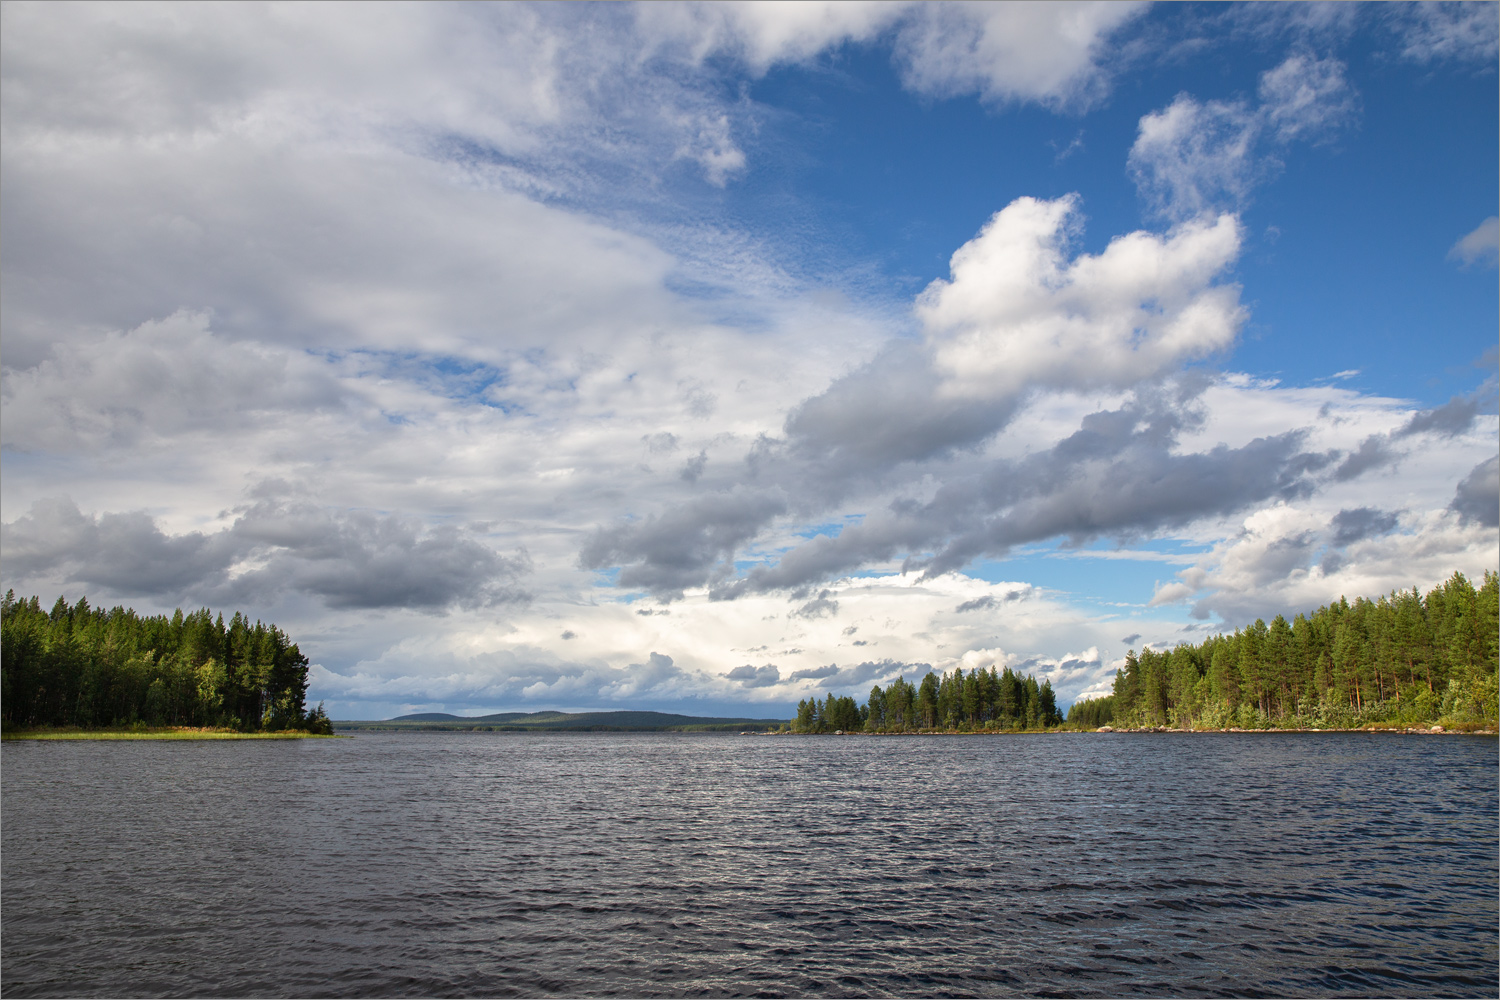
{"points": [[708, 357]]}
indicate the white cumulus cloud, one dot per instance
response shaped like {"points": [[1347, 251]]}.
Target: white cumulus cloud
{"points": [[1017, 312]]}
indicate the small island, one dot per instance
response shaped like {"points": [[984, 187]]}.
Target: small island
{"points": [[79, 672]]}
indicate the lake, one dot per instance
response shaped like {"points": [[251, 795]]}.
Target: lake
{"points": [[490, 864]]}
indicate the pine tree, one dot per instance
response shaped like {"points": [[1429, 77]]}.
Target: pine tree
{"points": [[79, 665]]}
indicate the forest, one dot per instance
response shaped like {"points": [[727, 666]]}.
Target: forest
{"points": [[82, 666], [1404, 659], [1401, 659], [983, 700]]}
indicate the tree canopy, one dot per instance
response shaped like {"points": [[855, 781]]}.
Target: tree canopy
{"points": [[76, 665], [980, 700], [1403, 657]]}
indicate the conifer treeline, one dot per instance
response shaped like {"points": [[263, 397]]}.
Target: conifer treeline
{"points": [[984, 699], [1404, 658], [83, 666]]}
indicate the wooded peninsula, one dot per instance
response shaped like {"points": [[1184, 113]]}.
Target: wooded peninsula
{"points": [[1404, 659], [1399, 661], [94, 669]]}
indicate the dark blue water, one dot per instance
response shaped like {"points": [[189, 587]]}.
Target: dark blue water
{"points": [[687, 865]]}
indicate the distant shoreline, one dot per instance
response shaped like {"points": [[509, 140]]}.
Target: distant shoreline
{"points": [[625, 721], [391, 727], [436, 727]]}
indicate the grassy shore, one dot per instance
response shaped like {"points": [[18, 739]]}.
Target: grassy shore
{"points": [[156, 733]]}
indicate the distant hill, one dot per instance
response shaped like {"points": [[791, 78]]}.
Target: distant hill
{"points": [[525, 717], [538, 721]]}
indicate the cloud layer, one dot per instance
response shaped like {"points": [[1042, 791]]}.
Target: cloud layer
{"points": [[433, 335], [348, 559]]}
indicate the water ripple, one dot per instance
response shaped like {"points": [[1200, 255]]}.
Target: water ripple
{"points": [[679, 865]]}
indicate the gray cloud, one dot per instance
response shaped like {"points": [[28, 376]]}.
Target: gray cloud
{"points": [[815, 673], [863, 673], [1131, 638], [1374, 452], [349, 559], [821, 606], [888, 412], [692, 469], [989, 600], [755, 677], [685, 546], [360, 560], [660, 443], [169, 378], [1350, 526], [1453, 417], [1117, 475], [1059, 671], [1478, 496], [834, 675], [124, 553]]}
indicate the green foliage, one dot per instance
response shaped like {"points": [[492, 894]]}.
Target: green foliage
{"points": [[832, 715], [82, 666], [1091, 713], [1404, 659], [982, 700], [318, 723]]}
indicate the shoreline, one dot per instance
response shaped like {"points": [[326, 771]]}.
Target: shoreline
{"points": [[1474, 729], [1404, 730], [1477, 729], [192, 733], [159, 733]]}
